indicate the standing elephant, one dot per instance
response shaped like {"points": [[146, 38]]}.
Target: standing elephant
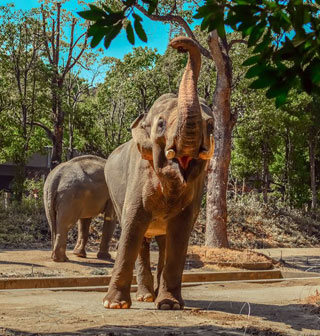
{"points": [[156, 183], [76, 191]]}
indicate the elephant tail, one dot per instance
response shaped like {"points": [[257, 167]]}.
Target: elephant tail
{"points": [[49, 197]]}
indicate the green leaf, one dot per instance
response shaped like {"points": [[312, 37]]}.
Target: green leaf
{"points": [[263, 81], [206, 21], [256, 33], [279, 88], [90, 15], [152, 7], [97, 37], [140, 31], [111, 33], [315, 71], [251, 60], [256, 70], [263, 44], [137, 17], [130, 33], [281, 100]]}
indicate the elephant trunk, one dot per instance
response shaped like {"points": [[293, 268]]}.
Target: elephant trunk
{"points": [[188, 136]]}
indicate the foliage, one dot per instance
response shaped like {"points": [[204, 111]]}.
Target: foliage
{"points": [[23, 224], [284, 35], [253, 224]]}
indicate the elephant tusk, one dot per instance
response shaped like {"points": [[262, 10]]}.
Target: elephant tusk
{"points": [[207, 154], [170, 154]]}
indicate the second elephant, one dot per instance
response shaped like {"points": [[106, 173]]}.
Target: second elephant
{"points": [[76, 191]]}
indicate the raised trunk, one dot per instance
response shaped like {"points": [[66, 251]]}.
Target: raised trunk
{"points": [[189, 125]]}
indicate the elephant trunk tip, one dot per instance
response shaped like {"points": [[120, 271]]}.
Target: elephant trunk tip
{"points": [[183, 44]]}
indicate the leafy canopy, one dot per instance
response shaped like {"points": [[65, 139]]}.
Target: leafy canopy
{"points": [[284, 36]]}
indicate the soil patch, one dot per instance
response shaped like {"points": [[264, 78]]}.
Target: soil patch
{"points": [[223, 257]]}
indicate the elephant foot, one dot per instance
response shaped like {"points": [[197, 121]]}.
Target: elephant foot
{"points": [[116, 299], [104, 256], [144, 294], [80, 252], [166, 301], [59, 257]]}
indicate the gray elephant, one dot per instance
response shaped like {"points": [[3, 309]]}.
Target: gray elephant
{"points": [[74, 191], [156, 183]]}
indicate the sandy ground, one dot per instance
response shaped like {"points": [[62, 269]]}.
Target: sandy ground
{"points": [[213, 309]]}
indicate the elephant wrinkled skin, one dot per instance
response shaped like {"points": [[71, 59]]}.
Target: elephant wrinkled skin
{"points": [[76, 191], [156, 183]]}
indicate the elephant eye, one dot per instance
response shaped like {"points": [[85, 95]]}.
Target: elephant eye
{"points": [[161, 125], [210, 126]]}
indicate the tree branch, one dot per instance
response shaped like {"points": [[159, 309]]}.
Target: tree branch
{"points": [[71, 46], [233, 42], [46, 129], [45, 37], [177, 19]]}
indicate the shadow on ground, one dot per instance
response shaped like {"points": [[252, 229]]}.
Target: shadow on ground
{"points": [[296, 316], [84, 262], [203, 330], [19, 263], [303, 263]]}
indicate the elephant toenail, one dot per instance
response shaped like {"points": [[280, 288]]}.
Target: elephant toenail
{"points": [[165, 306], [176, 306]]}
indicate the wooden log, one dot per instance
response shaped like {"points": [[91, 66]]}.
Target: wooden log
{"points": [[69, 282]]}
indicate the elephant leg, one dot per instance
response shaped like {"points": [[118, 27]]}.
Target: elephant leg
{"points": [[178, 233], [144, 276], [60, 245], [83, 234], [161, 241], [133, 230], [109, 225]]}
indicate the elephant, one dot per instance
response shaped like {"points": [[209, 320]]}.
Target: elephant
{"points": [[156, 182], [76, 190]]}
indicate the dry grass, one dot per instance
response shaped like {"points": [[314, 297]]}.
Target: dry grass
{"points": [[314, 302], [251, 224], [223, 256]]}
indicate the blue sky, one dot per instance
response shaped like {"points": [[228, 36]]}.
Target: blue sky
{"points": [[157, 32]]}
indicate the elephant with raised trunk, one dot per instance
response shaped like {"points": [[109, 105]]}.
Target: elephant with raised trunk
{"points": [[76, 190], [156, 183]]}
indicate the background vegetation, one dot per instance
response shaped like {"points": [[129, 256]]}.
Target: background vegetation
{"points": [[273, 149]]}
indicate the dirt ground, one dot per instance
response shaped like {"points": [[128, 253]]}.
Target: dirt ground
{"points": [[238, 308]]}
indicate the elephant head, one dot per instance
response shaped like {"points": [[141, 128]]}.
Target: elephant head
{"points": [[176, 134]]}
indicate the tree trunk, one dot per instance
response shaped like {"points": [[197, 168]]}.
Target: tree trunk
{"points": [[58, 122], [216, 226], [312, 154], [216, 222], [265, 173]]}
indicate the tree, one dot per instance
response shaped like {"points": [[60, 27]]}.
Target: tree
{"points": [[55, 49], [268, 26], [20, 59]]}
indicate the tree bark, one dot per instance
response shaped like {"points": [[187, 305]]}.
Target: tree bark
{"points": [[265, 173], [216, 222], [312, 158]]}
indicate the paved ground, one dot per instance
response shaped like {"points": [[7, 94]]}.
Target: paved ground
{"points": [[213, 309]]}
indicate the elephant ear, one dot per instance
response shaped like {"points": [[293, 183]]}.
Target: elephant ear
{"points": [[141, 137]]}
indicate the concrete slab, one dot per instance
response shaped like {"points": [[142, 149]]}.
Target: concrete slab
{"points": [[212, 309]]}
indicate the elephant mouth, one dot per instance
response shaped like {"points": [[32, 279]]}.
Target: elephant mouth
{"points": [[185, 165], [184, 162]]}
